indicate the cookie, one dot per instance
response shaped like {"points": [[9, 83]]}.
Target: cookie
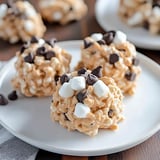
{"points": [[62, 11], [38, 66], [116, 55], [86, 102], [20, 21], [141, 13]]}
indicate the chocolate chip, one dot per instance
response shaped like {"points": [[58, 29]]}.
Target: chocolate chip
{"points": [[101, 42], [51, 42], [109, 37], [81, 96], [29, 58], [113, 58], [82, 71], [3, 100], [64, 78], [22, 49], [156, 3], [110, 113], [87, 43], [13, 96], [146, 25], [135, 61], [56, 78], [34, 39], [91, 79], [130, 76], [49, 55], [41, 51], [97, 71]]}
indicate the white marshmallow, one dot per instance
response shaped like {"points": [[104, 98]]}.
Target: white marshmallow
{"points": [[97, 36], [78, 83], [120, 37], [41, 42], [81, 110], [66, 91], [57, 15], [3, 10], [29, 26], [100, 89], [156, 11], [135, 19]]}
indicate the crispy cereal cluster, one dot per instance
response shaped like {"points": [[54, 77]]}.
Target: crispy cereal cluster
{"points": [[20, 21], [86, 101], [38, 66]]}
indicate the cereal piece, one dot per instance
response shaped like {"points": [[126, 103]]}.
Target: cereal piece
{"points": [[62, 11], [97, 106], [141, 13], [116, 56], [39, 65], [20, 21], [3, 100]]}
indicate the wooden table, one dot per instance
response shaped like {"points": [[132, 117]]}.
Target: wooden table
{"points": [[150, 149]]}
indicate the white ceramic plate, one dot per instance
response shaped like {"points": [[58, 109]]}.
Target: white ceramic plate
{"points": [[107, 17], [29, 118]]}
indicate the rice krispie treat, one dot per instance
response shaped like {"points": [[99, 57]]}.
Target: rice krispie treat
{"points": [[116, 55], [38, 66], [62, 11], [20, 21], [145, 13], [86, 101]]}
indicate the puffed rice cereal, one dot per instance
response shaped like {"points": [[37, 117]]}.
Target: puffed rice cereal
{"points": [[38, 66], [86, 101]]}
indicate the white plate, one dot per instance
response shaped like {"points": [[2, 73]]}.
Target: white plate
{"points": [[29, 118], [107, 17]]}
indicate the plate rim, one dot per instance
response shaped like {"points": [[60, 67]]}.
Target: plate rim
{"points": [[93, 152]]}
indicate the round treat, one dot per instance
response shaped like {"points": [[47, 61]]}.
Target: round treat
{"points": [[116, 55], [19, 21], [145, 13], [39, 65], [87, 102], [62, 11]]}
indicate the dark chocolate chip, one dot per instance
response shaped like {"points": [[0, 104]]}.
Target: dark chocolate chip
{"points": [[156, 3], [49, 55], [13, 96], [81, 96], [64, 78], [22, 49], [56, 78], [91, 79], [110, 113], [113, 58], [41, 51], [82, 71], [146, 25], [97, 71], [51, 42], [3, 100], [130, 76], [101, 42], [29, 58], [109, 37], [135, 61], [34, 39], [87, 43]]}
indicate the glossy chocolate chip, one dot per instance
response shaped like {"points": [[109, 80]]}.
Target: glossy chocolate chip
{"points": [[29, 58], [130, 76], [22, 49], [3, 100], [109, 37], [91, 79], [81, 96], [110, 113], [87, 44], [101, 42], [82, 71], [49, 55], [41, 51], [135, 61], [13, 96], [113, 58], [34, 39], [51, 42], [64, 78], [97, 71]]}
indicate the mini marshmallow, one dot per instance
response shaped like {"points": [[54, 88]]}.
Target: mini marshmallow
{"points": [[120, 37], [81, 110], [3, 10], [41, 42], [156, 11], [97, 36], [66, 91], [29, 26], [57, 15], [135, 19], [78, 83], [100, 89]]}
